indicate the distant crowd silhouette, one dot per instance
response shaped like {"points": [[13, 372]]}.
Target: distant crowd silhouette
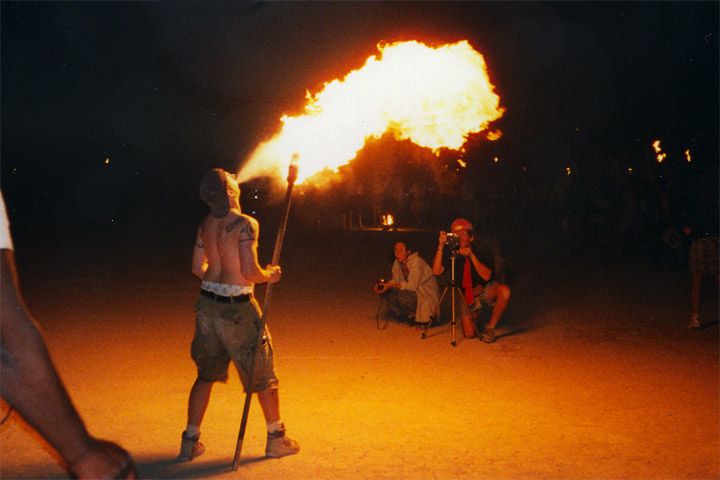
{"points": [[654, 213]]}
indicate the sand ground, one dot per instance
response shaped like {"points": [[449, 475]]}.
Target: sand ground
{"points": [[595, 374]]}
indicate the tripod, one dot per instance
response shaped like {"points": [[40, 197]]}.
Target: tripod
{"points": [[454, 290]]}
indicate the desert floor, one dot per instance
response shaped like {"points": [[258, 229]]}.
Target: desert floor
{"points": [[595, 374]]}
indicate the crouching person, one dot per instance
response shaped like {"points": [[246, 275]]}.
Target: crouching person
{"points": [[412, 294]]}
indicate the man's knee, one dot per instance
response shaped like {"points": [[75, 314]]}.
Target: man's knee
{"points": [[503, 292]]}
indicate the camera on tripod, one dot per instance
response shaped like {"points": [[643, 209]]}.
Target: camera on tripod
{"points": [[452, 241]]}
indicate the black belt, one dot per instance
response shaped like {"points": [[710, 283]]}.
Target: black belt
{"points": [[223, 299]]}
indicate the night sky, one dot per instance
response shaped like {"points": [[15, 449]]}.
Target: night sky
{"points": [[167, 90]]}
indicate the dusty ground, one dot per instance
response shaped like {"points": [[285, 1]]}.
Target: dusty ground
{"points": [[595, 374]]}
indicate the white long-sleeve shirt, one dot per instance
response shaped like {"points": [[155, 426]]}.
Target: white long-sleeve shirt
{"points": [[5, 238], [421, 280]]}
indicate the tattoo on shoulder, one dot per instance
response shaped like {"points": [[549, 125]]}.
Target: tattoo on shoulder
{"points": [[246, 230], [231, 226]]}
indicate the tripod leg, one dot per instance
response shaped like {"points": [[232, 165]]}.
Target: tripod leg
{"points": [[435, 315], [453, 322]]}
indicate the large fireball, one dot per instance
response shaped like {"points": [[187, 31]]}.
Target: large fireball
{"points": [[435, 97]]}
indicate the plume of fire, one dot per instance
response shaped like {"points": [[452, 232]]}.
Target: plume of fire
{"points": [[435, 97]]}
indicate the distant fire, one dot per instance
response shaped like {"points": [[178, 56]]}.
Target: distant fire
{"points": [[659, 154], [388, 220], [494, 135], [433, 96]]}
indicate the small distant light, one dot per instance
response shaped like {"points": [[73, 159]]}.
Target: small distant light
{"points": [[630, 170], [14, 170], [107, 160], [687, 156], [388, 220], [254, 212], [660, 157], [568, 171], [496, 159], [255, 197], [462, 163]]}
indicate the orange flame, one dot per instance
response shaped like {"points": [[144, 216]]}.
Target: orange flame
{"points": [[660, 155], [494, 135], [435, 97]]}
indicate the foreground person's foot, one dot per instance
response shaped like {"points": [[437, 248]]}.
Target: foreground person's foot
{"points": [[280, 445], [488, 335], [190, 448]]}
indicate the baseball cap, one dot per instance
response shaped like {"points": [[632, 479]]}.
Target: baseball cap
{"points": [[460, 224]]}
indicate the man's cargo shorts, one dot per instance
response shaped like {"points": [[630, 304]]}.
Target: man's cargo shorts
{"points": [[229, 331]]}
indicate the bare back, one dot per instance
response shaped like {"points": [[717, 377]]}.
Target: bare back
{"points": [[229, 246]]}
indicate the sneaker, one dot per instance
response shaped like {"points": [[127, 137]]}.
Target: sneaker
{"points": [[488, 335], [190, 448], [279, 444]]}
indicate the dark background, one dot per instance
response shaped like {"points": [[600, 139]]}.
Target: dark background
{"points": [[167, 90]]}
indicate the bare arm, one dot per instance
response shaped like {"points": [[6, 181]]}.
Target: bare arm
{"points": [[249, 265], [437, 266], [483, 270], [32, 386], [199, 258]]}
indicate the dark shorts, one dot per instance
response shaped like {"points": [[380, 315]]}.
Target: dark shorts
{"points": [[401, 303], [225, 332], [481, 298]]}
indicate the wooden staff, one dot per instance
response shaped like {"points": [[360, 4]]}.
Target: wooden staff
{"points": [[292, 176]]}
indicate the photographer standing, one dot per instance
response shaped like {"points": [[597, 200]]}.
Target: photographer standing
{"points": [[478, 280], [413, 290]]}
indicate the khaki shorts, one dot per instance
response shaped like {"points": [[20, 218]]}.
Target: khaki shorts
{"points": [[225, 332]]}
